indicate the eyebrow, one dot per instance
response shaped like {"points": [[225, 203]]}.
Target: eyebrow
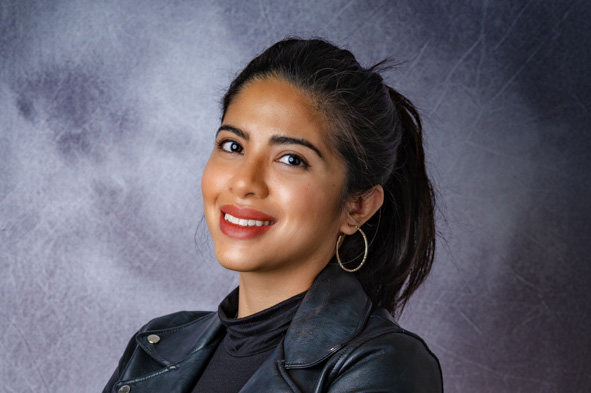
{"points": [[233, 130], [284, 140], [275, 139]]}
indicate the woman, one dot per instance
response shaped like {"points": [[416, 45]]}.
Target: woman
{"points": [[316, 193]]}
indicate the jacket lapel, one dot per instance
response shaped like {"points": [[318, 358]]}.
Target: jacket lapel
{"points": [[332, 313], [178, 358], [176, 344]]}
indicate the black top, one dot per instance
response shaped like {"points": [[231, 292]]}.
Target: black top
{"points": [[247, 343]]}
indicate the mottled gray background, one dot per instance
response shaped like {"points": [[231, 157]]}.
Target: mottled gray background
{"points": [[107, 115]]}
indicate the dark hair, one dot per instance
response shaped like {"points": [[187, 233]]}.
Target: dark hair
{"points": [[378, 133]]}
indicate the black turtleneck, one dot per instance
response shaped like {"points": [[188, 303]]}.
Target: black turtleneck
{"points": [[247, 343]]}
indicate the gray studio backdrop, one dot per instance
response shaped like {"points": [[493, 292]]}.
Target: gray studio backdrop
{"points": [[107, 116]]}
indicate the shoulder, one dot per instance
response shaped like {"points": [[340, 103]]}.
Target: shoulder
{"points": [[386, 355], [382, 328]]}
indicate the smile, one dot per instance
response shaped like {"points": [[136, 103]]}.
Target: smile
{"points": [[246, 223], [241, 222]]}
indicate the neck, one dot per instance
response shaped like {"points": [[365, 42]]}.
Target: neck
{"points": [[259, 291]]}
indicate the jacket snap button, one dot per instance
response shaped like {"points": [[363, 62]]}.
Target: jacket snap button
{"points": [[124, 389], [153, 339]]}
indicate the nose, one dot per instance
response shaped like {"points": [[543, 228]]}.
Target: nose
{"points": [[249, 179]]}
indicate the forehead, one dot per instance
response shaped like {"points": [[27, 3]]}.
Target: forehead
{"points": [[273, 104]]}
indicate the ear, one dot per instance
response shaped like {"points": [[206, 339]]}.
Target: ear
{"points": [[360, 208]]}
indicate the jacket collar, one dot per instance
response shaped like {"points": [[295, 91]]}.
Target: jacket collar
{"points": [[332, 313], [183, 339]]}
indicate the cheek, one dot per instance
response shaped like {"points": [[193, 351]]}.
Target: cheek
{"points": [[206, 181], [214, 176], [211, 183], [315, 202]]}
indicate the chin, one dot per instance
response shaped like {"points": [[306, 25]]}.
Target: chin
{"points": [[236, 261]]}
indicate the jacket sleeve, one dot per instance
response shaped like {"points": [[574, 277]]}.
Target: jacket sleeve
{"points": [[395, 362]]}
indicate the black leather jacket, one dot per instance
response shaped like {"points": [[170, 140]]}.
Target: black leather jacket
{"points": [[337, 342]]}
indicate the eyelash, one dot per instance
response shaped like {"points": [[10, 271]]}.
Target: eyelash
{"points": [[302, 162]]}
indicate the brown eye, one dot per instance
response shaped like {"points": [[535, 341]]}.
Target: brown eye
{"points": [[231, 146], [292, 160]]}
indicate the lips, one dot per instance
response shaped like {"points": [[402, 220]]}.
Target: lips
{"points": [[243, 222]]}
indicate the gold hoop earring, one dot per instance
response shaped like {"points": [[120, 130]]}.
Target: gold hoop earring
{"points": [[364, 252]]}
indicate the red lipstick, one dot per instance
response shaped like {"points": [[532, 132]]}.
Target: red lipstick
{"points": [[251, 222]]}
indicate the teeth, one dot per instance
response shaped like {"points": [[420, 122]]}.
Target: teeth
{"points": [[246, 223]]}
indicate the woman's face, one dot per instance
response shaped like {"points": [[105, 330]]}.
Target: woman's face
{"points": [[272, 186]]}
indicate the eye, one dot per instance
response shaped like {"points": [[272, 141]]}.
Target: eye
{"points": [[230, 146], [293, 160]]}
